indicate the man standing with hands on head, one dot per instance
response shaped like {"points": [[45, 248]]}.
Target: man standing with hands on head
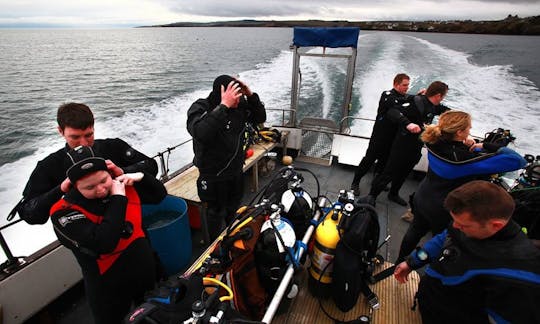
{"points": [[218, 125], [48, 181]]}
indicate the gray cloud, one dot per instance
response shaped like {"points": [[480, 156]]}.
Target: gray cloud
{"points": [[141, 12], [244, 8], [356, 9]]}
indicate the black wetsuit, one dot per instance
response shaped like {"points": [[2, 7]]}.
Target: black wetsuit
{"points": [[384, 131], [428, 202], [43, 188], [122, 273], [470, 279], [406, 147], [219, 146]]}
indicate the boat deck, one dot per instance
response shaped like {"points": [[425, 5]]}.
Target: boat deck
{"points": [[395, 304], [395, 299]]}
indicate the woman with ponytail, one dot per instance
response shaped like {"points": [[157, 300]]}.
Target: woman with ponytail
{"points": [[450, 142]]}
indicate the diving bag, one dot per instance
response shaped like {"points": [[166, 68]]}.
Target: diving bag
{"points": [[240, 272], [169, 303], [355, 252]]}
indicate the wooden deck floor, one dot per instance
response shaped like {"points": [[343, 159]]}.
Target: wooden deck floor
{"points": [[395, 304]]}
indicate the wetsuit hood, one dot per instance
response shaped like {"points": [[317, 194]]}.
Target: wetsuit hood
{"points": [[215, 95]]}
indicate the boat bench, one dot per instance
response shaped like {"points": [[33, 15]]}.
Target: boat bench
{"points": [[184, 184]]}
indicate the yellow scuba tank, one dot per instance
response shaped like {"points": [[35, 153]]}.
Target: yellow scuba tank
{"points": [[326, 239]]}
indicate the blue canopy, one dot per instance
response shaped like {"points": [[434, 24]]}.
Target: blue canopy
{"points": [[326, 37], [503, 161]]}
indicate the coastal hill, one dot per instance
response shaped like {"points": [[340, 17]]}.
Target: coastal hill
{"points": [[511, 25]]}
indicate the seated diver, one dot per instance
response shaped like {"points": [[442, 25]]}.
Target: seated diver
{"points": [[454, 159], [100, 220]]}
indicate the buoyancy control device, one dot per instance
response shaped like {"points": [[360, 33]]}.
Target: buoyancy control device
{"points": [[355, 256]]}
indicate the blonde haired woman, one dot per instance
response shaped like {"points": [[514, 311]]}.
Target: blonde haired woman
{"points": [[454, 128], [450, 142]]}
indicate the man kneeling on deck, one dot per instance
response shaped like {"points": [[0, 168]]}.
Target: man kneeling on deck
{"points": [[100, 220], [483, 268]]}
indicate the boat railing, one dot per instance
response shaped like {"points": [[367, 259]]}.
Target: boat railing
{"points": [[163, 156], [284, 111], [345, 125], [163, 159], [12, 261]]}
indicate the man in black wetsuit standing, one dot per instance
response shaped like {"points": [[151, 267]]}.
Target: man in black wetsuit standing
{"points": [[48, 182], [384, 131], [410, 117], [218, 125]]}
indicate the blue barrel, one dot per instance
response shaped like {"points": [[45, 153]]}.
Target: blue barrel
{"points": [[168, 229]]}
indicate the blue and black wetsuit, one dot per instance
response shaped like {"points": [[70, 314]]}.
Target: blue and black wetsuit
{"points": [[427, 207], [469, 279]]}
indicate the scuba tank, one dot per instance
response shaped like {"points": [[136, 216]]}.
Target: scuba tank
{"points": [[298, 206], [283, 227], [326, 239], [274, 249]]}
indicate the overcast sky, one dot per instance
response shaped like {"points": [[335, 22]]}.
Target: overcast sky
{"points": [[127, 13]]}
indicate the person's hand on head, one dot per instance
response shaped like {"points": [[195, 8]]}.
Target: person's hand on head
{"points": [[246, 91], [118, 187], [65, 185], [230, 96], [114, 170], [130, 178]]}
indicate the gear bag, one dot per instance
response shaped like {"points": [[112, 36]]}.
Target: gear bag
{"points": [[169, 303], [236, 252], [527, 211], [355, 252]]}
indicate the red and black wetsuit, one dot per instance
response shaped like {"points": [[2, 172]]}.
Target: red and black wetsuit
{"points": [[43, 188], [106, 237]]}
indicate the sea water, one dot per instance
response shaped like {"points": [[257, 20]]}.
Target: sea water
{"points": [[140, 83]]}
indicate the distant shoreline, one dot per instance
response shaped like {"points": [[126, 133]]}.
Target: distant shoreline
{"points": [[511, 25]]}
